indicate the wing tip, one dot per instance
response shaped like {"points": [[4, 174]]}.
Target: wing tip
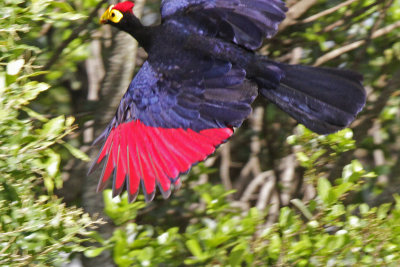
{"points": [[117, 191], [177, 184], [93, 166], [132, 197], [147, 196], [102, 184], [165, 193]]}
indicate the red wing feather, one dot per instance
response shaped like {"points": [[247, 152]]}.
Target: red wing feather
{"points": [[159, 165], [168, 161], [152, 156], [105, 148]]}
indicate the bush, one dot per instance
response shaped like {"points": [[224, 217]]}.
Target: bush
{"points": [[36, 228], [323, 232]]}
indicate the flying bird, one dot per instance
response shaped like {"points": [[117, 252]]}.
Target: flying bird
{"points": [[198, 83]]}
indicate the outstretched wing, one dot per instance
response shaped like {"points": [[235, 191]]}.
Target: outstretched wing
{"points": [[245, 22], [169, 119]]}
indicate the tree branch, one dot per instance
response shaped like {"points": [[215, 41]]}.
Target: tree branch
{"points": [[225, 166], [296, 11], [75, 34], [347, 48], [327, 11]]}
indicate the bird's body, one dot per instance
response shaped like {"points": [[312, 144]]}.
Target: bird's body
{"points": [[199, 81]]}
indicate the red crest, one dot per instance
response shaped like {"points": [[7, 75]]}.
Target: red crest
{"points": [[125, 6]]}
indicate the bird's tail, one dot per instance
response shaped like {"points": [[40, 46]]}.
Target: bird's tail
{"points": [[325, 100]]}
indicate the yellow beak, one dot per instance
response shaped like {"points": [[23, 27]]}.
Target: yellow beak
{"points": [[106, 15]]}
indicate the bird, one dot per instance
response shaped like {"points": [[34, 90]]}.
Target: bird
{"points": [[197, 85]]}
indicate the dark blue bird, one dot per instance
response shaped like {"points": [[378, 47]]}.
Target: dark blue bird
{"points": [[198, 83]]}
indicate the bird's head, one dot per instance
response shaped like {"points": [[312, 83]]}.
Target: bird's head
{"points": [[117, 14]]}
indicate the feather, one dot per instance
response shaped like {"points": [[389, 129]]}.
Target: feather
{"points": [[324, 100], [154, 156]]}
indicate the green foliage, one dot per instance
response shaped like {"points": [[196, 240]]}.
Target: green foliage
{"points": [[221, 232], [199, 226], [335, 228], [322, 232], [35, 227], [119, 209]]}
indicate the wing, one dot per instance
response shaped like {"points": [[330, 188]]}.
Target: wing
{"points": [[245, 22], [169, 119]]}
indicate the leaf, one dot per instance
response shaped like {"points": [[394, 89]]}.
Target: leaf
{"points": [[33, 89], [69, 121], [53, 163], [34, 114], [194, 248], [76, 152], [236, 255], [301, 156], [304, 210], [15, 66], [353, 171], [383, 210], [35, 74], [2, 83], [274, 247], [284, 217], [65, 7], [325, 191], [67, 16], [53, 127], [397, 201], [94, 252], [49, 184], [364, 209]]}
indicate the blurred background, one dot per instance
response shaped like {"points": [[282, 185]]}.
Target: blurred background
{"points": [[275, 195]]}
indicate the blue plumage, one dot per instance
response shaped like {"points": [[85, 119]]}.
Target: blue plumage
{"points": [[244, 22], [214, 98], [200, 79]]}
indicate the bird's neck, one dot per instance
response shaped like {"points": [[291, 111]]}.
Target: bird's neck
{"points": [[141, 33]]}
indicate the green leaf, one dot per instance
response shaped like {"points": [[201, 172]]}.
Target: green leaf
{"points": [[76, 152], [49, 184], [65, 7], [364, 209], [53, 127], [383, 210], [274, 248], [33, 89], [236, 255], [325, 192], [15, 66], [285, 217], [353, 171], [34, 114], [304, 210], [69, 121], [53, 163], [343, 188], [194, 247], [94, 252], [2, 83], [301, 156]]}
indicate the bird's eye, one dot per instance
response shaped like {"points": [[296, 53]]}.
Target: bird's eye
{"points": [[114, 16]]}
